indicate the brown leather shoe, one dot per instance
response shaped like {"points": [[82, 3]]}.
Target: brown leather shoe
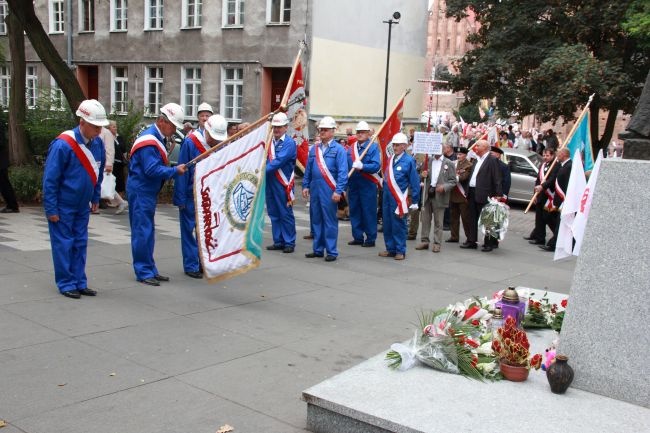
{"points": [[400, 256], [386, 254], [422, 246], [308, 237], [435, 248]]}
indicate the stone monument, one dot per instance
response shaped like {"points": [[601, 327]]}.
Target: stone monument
{"points": [[637, 134]]}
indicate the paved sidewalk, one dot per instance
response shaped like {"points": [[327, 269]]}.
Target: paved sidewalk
{"points": [[190, 356]]}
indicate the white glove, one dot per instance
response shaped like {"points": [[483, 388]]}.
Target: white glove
{"points": [[357, 164], [413, 206]]}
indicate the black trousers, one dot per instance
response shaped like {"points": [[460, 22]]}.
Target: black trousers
{"points": [[474, 214], [552, 219], [7, 191], [539, 231]]}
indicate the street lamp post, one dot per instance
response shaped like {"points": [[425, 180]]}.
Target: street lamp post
{"points": [[390, 22]]}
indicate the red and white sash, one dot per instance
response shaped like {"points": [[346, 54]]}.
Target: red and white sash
{"points": [[558, 190], [324, 171], [282, 178], [150, 140], [85, 156], [548, 193], [395, 191], [199, 141], [374, 177]]}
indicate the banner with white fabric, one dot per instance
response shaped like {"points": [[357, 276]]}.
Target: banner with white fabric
{"points": [[229, 192], [571, 205], [580, 222]]}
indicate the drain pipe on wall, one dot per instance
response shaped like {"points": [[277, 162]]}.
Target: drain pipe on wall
{"points": [[68, 13]]}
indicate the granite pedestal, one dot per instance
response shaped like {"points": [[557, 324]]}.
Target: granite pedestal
{"points": [[606, 333]]}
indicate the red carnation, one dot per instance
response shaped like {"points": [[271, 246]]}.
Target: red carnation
{"points": [[563, 303]]}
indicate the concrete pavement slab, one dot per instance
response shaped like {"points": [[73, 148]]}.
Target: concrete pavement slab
{"points": [[23, 287], [74, 317], [59, 373], [177, 345], [167, 406], [20, 332]]}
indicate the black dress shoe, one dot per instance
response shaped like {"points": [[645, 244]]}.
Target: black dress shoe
{"points": [[452, 241], [355, 242], [536, 242], [194, 274], [330, 258], [469, 245], [9, 210], [313, 255], [275, 247], [547, 248], [486, 248], [529, 238], [87, 292], [411, 238], [368, 244], [150, 282], [161, 278], [308, 237], [288, 249], [74, 294]]}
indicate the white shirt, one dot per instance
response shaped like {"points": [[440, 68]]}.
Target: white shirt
{"points": [[479, 163], [436, 165]]}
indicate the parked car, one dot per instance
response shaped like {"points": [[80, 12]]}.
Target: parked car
{"points": [[524, 166]]}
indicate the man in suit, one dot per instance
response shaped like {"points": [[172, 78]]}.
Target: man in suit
{"points": [[439, 179], [561, 184], [459, 208], [484, 182], [544, 200]]}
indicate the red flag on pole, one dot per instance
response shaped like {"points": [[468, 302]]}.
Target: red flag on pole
{"points": [[392, 125], [297, 113]]}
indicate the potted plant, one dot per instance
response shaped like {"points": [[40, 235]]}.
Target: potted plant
{"points": [[512, 348]]}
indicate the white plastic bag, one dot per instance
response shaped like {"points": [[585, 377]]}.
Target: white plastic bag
{"points": [[108, 186]]}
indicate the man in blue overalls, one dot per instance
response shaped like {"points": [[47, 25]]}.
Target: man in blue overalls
{"points": [[400, 174], [195, 143], [147, 170], [279, 186], [362, 187], [326, 177], [72, 180]]}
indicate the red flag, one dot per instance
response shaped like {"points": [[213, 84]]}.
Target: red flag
{"points": [[392, 126], [297, 114]]}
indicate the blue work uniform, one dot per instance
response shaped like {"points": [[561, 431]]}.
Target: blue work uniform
{"points": [[322, 207], [68, 190], [283, 223], [362, 193], [406, 176], [147, 171], [184, 199]]}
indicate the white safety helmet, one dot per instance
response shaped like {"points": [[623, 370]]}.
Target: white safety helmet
{"points": [[362, 126], [217, 127], [92, 112], [174, 114], [400, 138], [204, 106], [280, 119], [327, 122]]}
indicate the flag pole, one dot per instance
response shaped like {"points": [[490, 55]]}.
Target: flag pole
{"points": [[566, 141], [376, 134], [286, 95]]}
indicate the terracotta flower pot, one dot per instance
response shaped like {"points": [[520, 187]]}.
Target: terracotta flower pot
{"points": [[514, 373]]}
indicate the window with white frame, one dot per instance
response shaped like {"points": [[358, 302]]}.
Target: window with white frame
{"points": [[31, 87], [233, 13], [192, 10], [191, 90], [278, 11], [119, 15], [56, 96], [153, 90], [4, 11], [120, 89], [86, 15], [153, 14], [232, 86], [57, 16], [5, 85]]}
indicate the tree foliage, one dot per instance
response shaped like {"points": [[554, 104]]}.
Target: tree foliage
{"points": [[546, 57]]}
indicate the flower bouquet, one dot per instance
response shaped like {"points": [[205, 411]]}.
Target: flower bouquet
{"points": [[542, 314], [513, 350], [455, 340], [494, 218]]}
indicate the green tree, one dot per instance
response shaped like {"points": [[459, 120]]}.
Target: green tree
{"points": [[547, 57]]}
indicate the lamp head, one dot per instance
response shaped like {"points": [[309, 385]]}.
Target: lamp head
{"points": [[397, 15]]}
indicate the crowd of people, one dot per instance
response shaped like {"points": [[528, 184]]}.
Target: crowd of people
{"points": [[446, 188]]}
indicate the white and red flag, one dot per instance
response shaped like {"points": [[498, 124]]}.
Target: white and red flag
{"points": [[580, 222], [295, 98], [391, 126], [571, 205]]}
